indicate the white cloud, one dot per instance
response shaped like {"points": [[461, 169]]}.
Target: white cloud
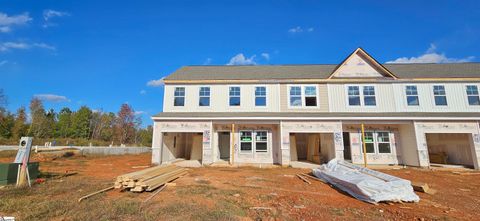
{"points": [[6, 21], [4, 62], [156, 83], [299, 29], [5, 46], [52, 97], [143, 92], [49, 14], [140, 112], [207, 61], [240, 59], [431, 56], [266, 56]]}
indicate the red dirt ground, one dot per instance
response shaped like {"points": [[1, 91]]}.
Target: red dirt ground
{"points": [[279, 194]]}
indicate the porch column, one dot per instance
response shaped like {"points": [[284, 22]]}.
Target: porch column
{"points": [[284, 158], [338, 142], [422, 148], [157, 143], [207, 150]]}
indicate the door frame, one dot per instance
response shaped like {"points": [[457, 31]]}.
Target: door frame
{"points": [[229, 144]]}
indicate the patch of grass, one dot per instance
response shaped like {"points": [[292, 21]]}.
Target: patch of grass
{"points": [[195, 190], [337, 212], [8, 153]]}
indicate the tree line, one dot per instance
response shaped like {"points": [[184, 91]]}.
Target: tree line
{"points": [[67, 127]]}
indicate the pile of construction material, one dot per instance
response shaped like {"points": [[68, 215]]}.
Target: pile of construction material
{"points": [[149, 179]]}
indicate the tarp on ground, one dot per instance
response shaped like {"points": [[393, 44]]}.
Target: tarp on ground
{"points": [[366, 184]]}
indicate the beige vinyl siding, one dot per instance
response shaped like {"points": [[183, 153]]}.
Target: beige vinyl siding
{"points": [[384, 96], [322, 101]]}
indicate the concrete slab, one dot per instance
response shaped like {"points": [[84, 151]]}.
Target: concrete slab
{"points": [[303, 164], [188, 163]]}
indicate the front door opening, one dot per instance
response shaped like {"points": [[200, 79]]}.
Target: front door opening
{"points": [[311, 147], [224, 145], [347, 153], [450, 148]]}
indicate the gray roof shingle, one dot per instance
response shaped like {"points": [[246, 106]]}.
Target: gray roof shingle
{"points": [[320, 71]]}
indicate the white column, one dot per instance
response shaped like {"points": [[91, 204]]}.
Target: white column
{"points": [[338, 141], [157, 143]]}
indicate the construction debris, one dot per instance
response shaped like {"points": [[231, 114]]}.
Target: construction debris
{"points": [[149, 179], [155, 193], [365, 184], [303, 178], [423, 187], [95, 193]]}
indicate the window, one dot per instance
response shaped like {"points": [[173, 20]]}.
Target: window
{"points": [[377, 142], [303, 96], [295, 96], [369, 142], [260, 96], [439, 95], [383, 142], [310, 96], [261, 141], [234, 96], [246, 140], [369, 96], [472, 95], [353, 95], [204, 97], [179, 96], [412, 95]]}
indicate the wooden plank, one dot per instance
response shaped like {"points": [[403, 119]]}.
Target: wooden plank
{"points": [[422, 187], [312, 177], [95, 193], [155, 193], [304, 179], [168, 179]]}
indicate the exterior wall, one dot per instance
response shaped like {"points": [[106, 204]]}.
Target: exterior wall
{"points": [[407, 142], [384, 96], [159, 144], [219, 98], [456, 98], [322, 100], [421, 128], [287, 127], [356, 146]]}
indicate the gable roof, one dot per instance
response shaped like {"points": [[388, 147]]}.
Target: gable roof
{"points": [[370, 61]]}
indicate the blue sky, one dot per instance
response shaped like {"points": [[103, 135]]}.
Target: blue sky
{"points": [[104, 53]]}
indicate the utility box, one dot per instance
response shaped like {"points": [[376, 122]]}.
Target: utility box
{"points": [[9, 171]]}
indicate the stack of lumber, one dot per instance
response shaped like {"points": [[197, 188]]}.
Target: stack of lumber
{"points": [[149, 179]]}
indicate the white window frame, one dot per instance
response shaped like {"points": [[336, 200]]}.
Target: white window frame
{"points": [[406, 95], [362, 96], [239, 96], [203, 96], [302, 95], [466, 95], [266, 141], [433, 96], [255, 96], [184, 96], [251, 142], [376, 142]]}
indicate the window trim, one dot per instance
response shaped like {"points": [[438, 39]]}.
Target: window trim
{"points": [[255, 96], [228, 97], [240, 142], [433, 96], [302, 95], [209, 96], [375, 141], [406, 96], [466, 95], [184, 96], [266, 142], [362, 97]]}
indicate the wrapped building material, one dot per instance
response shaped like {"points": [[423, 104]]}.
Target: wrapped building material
{"points": [[365, 184]]}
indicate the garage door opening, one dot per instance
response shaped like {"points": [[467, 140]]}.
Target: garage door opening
{"points": [[182, 147], [311, 148], [450, 149]]}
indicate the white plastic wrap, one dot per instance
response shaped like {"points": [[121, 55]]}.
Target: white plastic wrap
{"points": [[366, 184]]}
